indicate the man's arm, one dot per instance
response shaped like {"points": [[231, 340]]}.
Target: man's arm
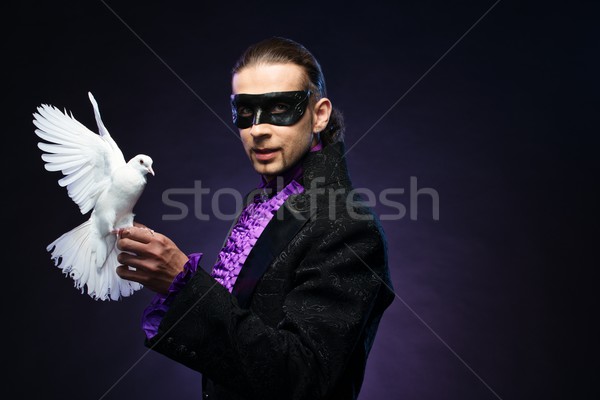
{"points": [[302, 357]]}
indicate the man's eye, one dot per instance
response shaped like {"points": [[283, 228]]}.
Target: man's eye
{"points": [[244, 111], [280, 108]]}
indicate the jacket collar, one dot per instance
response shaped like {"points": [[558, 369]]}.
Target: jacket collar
{"points": [[325, 167]]}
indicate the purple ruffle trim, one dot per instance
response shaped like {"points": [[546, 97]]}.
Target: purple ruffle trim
{"points": [[157, 309], [251, 223]]}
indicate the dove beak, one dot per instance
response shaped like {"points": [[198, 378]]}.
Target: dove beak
{"points": [[151, 171]]}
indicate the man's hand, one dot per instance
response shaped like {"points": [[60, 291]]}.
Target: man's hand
{"points": [[155, 258]]}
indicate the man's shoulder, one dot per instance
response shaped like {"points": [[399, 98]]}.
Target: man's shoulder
{"points": [[340, 210]]}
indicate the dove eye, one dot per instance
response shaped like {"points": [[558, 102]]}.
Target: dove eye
{"points": [[141, 161]]}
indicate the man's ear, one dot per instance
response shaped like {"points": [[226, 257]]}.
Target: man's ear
{"points": [[321, 113]]}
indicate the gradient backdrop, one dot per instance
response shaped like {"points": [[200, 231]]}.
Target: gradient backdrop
{"points": [[496, 115]]}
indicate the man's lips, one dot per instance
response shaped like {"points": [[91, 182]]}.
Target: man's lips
{"points": [[264, 154]]}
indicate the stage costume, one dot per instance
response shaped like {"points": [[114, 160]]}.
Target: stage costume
{"points": [[298, 318]]}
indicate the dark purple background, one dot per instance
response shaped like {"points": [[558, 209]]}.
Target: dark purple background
{"points": [[495, 299]]}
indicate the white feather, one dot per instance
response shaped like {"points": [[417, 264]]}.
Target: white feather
{"points": [[98, 179]]}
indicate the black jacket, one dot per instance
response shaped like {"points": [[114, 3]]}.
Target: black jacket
{"points": [[306, 305]]}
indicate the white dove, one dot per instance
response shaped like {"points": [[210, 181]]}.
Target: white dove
{"points": [[97, 178]]}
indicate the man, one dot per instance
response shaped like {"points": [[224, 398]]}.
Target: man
{"points": [[291, 308]]}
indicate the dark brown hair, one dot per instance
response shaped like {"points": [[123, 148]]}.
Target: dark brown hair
{"points": [[278, 50]]}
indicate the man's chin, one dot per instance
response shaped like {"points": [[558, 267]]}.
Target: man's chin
{"points": [[267, 169]]}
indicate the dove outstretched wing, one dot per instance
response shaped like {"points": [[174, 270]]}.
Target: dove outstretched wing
{"points": [[85, 158]]}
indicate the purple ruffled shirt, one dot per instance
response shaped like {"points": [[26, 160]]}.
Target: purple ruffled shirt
{"points": [[251, 223]]}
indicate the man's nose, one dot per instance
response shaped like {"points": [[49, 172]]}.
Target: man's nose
{"points": [[259, 128], [257, 117]]}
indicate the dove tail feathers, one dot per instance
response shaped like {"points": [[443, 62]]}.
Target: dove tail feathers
{"points": [[76, 255]]}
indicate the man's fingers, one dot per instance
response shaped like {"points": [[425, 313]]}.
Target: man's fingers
{"points": [[132, 260], [130, 274], [132, 246], [142, 235], [125, 258]]}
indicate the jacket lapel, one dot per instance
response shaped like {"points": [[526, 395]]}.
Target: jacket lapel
{"points": [[276, 236]]}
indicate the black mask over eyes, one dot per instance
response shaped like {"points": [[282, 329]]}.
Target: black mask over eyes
{"points": [[275, 108]]}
